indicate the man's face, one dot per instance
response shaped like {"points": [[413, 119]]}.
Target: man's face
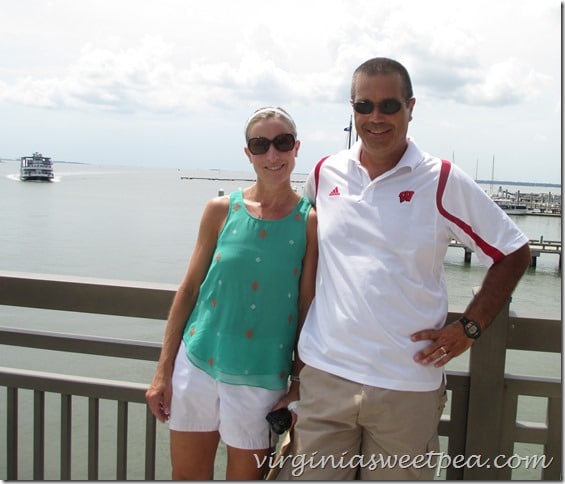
{"points": [[383, 135]]}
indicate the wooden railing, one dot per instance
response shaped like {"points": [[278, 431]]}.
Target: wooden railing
{"points": [[482, 421]]}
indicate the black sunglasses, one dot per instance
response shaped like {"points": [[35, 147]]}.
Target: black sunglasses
{"points": [[260, 145], [386, 106]]}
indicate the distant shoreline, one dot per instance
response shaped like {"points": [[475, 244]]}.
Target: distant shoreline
{"points": [[482, 182], [516, 183]]}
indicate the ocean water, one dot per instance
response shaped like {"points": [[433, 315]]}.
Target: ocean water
{"points": [[140, 224]]}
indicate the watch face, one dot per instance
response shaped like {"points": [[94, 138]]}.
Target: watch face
{"points": [[472, 330]]}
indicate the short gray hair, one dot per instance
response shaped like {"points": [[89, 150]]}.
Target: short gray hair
{"points": [[383, 65]]}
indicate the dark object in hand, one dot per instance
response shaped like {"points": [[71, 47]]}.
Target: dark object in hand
{"points": [[280, 420]]}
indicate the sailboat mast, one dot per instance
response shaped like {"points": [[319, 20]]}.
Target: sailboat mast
{"points": [[492, 175]]}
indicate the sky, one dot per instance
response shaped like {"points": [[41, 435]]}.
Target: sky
{"points": [[170, 83]]}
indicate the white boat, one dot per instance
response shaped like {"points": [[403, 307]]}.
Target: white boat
{"points": [[511, 207], [36, 167]]}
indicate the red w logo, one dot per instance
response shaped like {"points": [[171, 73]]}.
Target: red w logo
{"points": [[406, 196]]}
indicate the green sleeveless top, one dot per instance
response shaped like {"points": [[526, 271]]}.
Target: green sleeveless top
{"points": [[243, 327]]}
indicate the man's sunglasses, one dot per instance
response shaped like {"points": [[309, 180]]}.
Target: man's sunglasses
{"points": [[386, 106], [260, 145]]}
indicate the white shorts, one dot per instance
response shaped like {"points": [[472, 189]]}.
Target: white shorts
{"points": [[202, 404]]}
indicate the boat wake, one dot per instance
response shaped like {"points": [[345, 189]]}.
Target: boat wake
{"points": [[16, 177]]}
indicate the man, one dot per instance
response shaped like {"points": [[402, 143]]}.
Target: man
{"points": [[375, 340]]}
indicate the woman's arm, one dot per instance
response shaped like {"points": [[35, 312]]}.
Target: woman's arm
{"points": [[158, 395]]}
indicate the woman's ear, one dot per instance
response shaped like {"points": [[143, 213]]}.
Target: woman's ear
{"points": [[247, 153]]}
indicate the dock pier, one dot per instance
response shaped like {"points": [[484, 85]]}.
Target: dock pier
{"points": [[537, 247], [548, 204]]}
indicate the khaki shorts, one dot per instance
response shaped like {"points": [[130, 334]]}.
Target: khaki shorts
{"points": [[346, 430]]}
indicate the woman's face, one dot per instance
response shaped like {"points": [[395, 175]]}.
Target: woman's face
{"points": [[275, 164]]}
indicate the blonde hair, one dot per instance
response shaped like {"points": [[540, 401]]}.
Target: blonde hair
{"points": [[267, 113]]}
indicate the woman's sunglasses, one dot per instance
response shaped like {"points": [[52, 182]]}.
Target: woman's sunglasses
{"points": [[260, 145], [386, 106]]}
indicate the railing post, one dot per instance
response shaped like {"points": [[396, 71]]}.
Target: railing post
{"points": [[66, 436], [150, 444], [553, 447], [12, 434], [486, 396], [38, 435], [93, 437], [122, 442]]}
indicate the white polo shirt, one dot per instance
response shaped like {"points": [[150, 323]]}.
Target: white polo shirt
{"points": [[380, 277]]}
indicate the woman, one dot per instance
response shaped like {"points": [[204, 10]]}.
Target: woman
{"points": [[234, 322]]}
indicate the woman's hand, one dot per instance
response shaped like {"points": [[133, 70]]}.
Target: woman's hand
{"points": [[158, 397]]}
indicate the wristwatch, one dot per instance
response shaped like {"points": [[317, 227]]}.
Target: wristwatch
{"points": [[472, 328]]}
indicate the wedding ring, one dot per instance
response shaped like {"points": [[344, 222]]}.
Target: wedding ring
{"points": [[442, 348]]}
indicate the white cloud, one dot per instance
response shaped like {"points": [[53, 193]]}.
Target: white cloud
{"points": [[201, 62], [154, 74], [145, 78], [505, 83]]}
